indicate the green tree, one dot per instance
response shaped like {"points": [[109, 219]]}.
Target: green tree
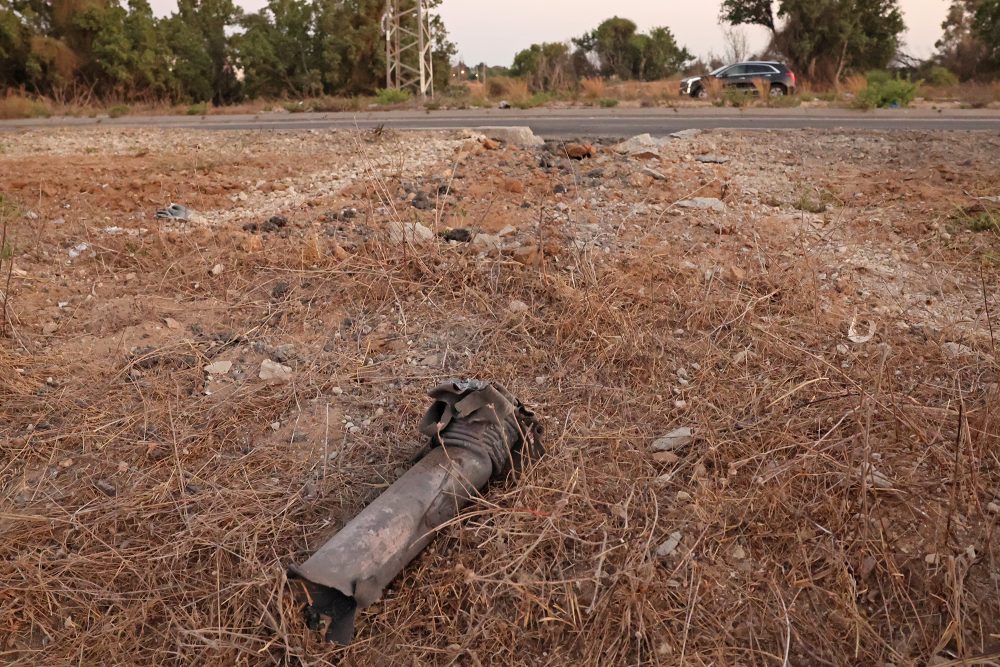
{"points": [[545, 66], [659, 56], [960, 49], [203, 52], [986, 29], [276, 50], [824, 38]]}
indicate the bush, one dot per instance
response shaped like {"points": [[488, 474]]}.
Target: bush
{"points": [[536, 100], [199, 109], [608, 102], [388, 96], [334, 104], [941, 77], [118, 110], [739, 98], [593, 89], [18, 106], [506, 88], [884, 90]]}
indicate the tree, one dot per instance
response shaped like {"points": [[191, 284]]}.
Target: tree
{"points": [[204, 55], [987, 30], [545, 66], [960, 49], [824, 38], [276, 51], [659, 56], [620, 51]]}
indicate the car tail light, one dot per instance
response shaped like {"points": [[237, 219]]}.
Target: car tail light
{"points": [[793, 79]]}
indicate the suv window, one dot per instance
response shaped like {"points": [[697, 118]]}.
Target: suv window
{"points": [[761, 69], [735, 70]]}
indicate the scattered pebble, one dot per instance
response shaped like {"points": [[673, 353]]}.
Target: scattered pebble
{"points": [[670, 545], [676, 439]]}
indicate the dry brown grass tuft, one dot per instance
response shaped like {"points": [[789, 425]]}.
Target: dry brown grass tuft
{"points": [[594, 88], [763, 88], [14, 106], [853, 84], [507, 88]]}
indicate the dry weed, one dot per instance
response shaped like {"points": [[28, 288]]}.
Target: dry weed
{"points": [[593, 88]]}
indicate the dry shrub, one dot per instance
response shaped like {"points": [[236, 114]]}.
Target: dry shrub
{"points": [[763, 88], [19, 106], [507, 88], [854, 84], [593, 88], [713, 87], [476, 88], [648, 90]]}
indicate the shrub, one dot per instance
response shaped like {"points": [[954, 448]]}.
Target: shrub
{"points": [[506, 88], [333, 104], [118, 110], [738, 98], [18, 106], [536, 100], [884, 90], [786, 101], [388, 96], [941, 77], [199, 109], [608, 102], [593, 89]]}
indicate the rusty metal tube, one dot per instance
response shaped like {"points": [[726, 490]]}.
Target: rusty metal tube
{"points": [[478, 433]]}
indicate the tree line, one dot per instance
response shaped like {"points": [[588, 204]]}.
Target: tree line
{"points": [[822, 40], [207, 50]]}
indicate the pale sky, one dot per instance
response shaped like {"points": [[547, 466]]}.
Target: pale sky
{"points": [[494, 30]]}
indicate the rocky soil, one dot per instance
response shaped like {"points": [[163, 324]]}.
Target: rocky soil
{"points": [[767, 364]]}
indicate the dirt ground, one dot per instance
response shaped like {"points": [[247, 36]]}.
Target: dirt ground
{"points": [[827, 328]]}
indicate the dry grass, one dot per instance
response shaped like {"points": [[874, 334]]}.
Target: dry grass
{"points": [[507, 88], [789, 553], [853, 84], [594, 88], [14, 106], [637, 90], [970, 94], [763, 88]]}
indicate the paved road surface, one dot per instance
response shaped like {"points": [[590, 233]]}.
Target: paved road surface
{"points": [[560, 123]]}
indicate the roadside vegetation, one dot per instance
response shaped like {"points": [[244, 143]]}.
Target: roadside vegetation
{"points": [[116, 58]]}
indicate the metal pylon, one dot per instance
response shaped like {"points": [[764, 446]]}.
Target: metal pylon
{"points": [[408, 47]]}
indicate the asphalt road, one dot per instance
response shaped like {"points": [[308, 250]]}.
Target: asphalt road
{"points": [[559, 123]]}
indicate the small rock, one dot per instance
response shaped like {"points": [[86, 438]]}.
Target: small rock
{"points": [[49, 328], [559, 189], [78, 250], [515, 136], [932, 559], [676, 439], [666, 457], [280, 289], [685, 134], [336, 391], [218, 367], [954, 350], [579, 151], [217, 270], [712, 159], [993, 508], [507, 231], [460, 235], [129, 277], [741, 357], [683, 496], [414, 232], [66, 463], [487, 241], [518, 306], [670, 545], [275, 426], [637, 143], [656, 175], [272, 371], [106, 487], [704, 203], [738, 552], [122, 466]]}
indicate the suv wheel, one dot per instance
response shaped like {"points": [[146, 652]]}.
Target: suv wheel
{"points": [[777, 90], [700, 92]]}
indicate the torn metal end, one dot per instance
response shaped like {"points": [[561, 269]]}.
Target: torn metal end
{"points": [[478, 432]]}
